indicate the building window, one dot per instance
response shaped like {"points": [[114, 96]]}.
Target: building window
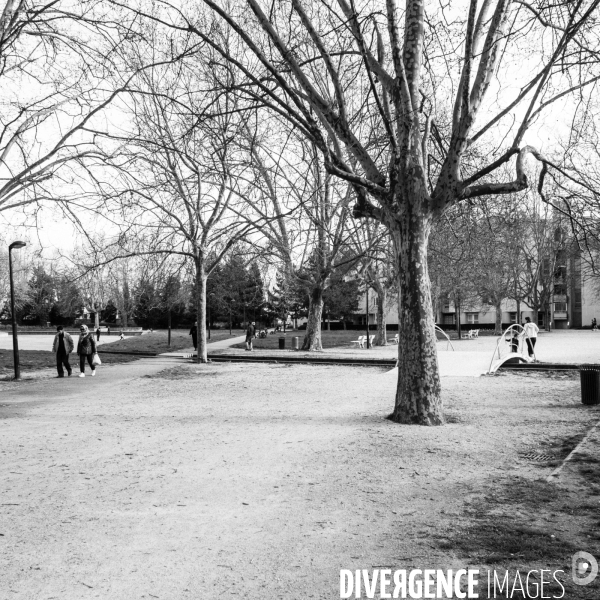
{"points": [[513, 317], [546, 267], [448, 319], [560, 307], [472, 318]]}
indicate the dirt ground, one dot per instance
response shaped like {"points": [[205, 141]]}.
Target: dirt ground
{"points": [[161, 479]]}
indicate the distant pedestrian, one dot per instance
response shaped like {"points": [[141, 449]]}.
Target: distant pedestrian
{"points": [[594, 324], [62, 347], [86, 348], [249, 335], [98, 334], [108, 331], [194, 333], [121, 335], [530, 330]]}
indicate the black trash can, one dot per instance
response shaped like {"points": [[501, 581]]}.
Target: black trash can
{"points": [[590, 384], [282, 343], [295, 343]]}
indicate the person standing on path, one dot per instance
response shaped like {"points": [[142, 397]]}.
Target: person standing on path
{"points": [[531, 330], [98, 334], [194, 333], [250, 335], [594, 324], [86, 348], [62, 347]]}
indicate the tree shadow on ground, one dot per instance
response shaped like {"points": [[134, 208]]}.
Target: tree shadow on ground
{"points": [[527, 525]]}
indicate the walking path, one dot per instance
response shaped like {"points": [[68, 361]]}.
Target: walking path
{"points": [[212, 346], [159, 479]]}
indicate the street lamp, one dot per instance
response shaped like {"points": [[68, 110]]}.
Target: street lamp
{"points": [[12, 309], [367, 316]]}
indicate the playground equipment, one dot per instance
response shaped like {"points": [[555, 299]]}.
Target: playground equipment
{"points": [[511, 348], [440, 332]]}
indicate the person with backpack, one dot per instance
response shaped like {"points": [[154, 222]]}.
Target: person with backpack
{"points": [[86, 348], [62, 347], [250, 335]]}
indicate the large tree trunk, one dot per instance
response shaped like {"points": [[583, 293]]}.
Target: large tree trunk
{"points": [[498, 325], [381, 337], [418, 394], [201, 310], [312, 339]]}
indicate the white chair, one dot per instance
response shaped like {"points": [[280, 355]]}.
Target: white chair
{"points": [[467, 336], [475, 333], [371, 338], [360, 341], [395, 339]]}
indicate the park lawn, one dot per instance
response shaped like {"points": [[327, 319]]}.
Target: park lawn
{"points": [[330, 339], [35, 360], [157, 341]]}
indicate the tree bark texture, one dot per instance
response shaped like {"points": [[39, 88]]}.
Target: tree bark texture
{"points": [[498, 326], [418, 393], [312, 339]]}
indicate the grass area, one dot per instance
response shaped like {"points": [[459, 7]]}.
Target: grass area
{"points": [[330, 339], [517, 525], [35, 360], [157, 341]]}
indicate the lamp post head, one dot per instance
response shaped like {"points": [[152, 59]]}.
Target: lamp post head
{"points": [[17, 244]]}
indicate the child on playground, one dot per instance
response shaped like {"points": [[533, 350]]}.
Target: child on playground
{"points": [[514, 341]]}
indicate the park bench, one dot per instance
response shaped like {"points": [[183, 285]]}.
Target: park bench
{"points": [[471, 334], [360, 342]]}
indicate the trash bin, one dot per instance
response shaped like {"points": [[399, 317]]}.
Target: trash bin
{"points": [[590, 384], [282, 343], [295, 343]]}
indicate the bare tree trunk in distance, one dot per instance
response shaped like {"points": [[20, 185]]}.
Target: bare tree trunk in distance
{"points": [[201, 310], [498, 325], [312, 339], [381, 337]]}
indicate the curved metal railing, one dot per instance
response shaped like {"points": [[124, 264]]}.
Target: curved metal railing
{"points": [[440, 330], [507, 337]]}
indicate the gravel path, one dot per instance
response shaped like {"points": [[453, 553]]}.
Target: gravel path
{"points": [[177, 481]]}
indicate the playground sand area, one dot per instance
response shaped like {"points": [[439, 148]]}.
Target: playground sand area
{"points": [[171, 480]]}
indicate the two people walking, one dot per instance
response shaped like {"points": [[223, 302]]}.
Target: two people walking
{"points": [[86, 349]]}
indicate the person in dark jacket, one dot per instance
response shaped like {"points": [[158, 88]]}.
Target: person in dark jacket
{"points": [[250, 335], [86, 348], [62, 347], [194, 333], [98, 334]]}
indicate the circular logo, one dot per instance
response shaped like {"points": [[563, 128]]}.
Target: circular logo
{"points": [[585, 568]]}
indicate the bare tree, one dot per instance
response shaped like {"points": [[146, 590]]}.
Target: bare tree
{"points": [[55, 60], [307, 217], [397, 102], [174, 177]]}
